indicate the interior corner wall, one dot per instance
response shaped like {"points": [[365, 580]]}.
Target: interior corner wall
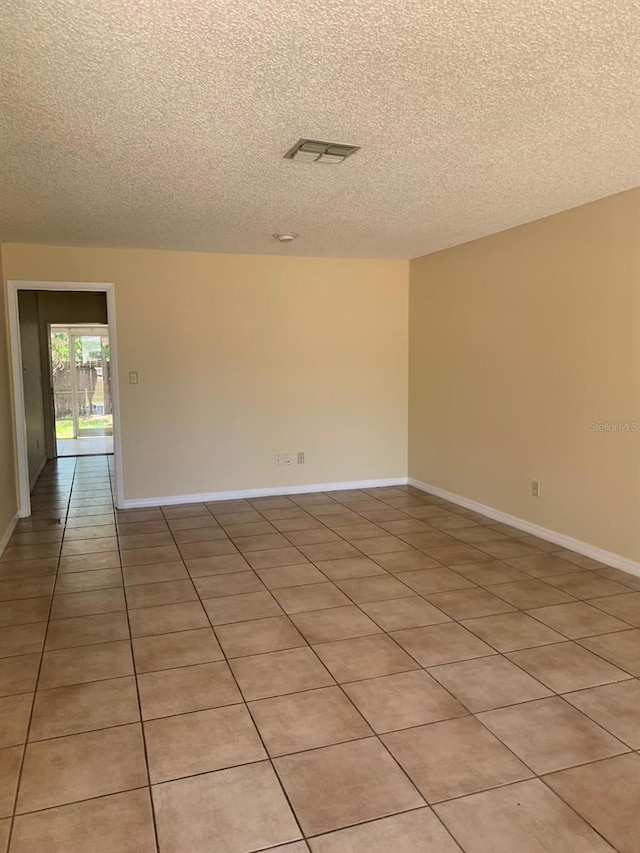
{"points": [[243, 357], [8, 491], [32, 382], [525, 365]]}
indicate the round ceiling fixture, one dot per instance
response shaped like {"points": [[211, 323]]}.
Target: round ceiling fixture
{"points": [[285, 238]]}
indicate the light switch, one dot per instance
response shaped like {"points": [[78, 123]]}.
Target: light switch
{"points": [[133, 377]]}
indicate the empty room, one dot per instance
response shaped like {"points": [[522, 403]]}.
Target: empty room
{"points": [[320, 426]]}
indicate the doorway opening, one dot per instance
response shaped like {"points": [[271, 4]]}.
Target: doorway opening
{"points": [[80, 360], [62, 343]]}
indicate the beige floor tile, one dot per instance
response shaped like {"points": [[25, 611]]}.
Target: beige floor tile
{"points": [[121, 822], [382, 545], [307, 720], [616, 707], [527, 817], [530, 594], [403, 700], [10, 761], [87, 603], [364, 657], [24, 611], [82, 664], [469, 603], [625, 578], [198, 534], [158, 554], [167, 618], [340, 785], [544, 565], [349, 567], [30, 552], [511, 631], [84, 707], [187, 688], [88, 562], [453, 758], [212, 548], [306, 532], [446, 643], [201, 742], [263, 542], [166, 592], [242, 608], [18, 674], [417, 831], [74, 547], [183, 510], [486, 683], [429, 581], [144, 540], [28, 588], [82, 766], [336, 623], [605, 794], [217, 586], [278, 673], [227, 564], [577, 619], [364, 590], [294, 575], [243, 808], [329, 551], [169, 651], [363, 530], [155, 573], [586, 585], [241, 639], [274, 558], [621, 649], [28, 569], [566, 666], [411, 612], [252, 528], [492, 572], [549, 734], [504, 549], [86, 630], [625, 607], [134, 527], [317, 596], [85, 581], [406, 561]]}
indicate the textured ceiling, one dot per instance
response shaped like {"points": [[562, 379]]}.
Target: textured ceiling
{"points": [[162, 123]]}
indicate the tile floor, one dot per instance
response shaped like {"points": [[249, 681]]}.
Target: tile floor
{"points": [[86, 446], [373, 671]]}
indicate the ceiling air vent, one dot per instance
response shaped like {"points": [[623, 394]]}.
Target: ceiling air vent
{"points": [[315, 151]]}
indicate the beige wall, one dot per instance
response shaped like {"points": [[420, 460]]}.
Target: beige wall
{"points": [[32, 383], [241, 357], [8, 498], [518, 342]]}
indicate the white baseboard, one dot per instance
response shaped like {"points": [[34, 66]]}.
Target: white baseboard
{"points": [[584, 548], [7, 534], [138, 503]]}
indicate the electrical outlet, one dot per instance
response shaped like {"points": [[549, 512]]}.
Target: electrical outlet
{"points": [[133, 377], [277, 459], [287, 459], [535, 488], [301, 458]]}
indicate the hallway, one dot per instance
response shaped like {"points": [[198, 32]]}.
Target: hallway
{"points": [[371, 671]]}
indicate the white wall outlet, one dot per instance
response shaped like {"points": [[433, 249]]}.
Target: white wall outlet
{"points": [[277, 459], [287, 459], [535, 488], [301, 458], [133, 377]]}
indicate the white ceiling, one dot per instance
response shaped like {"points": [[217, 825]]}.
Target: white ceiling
{"points": [[162, 123]]}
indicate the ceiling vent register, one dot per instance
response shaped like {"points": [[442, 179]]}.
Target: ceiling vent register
{"points": [[315, 151]]}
